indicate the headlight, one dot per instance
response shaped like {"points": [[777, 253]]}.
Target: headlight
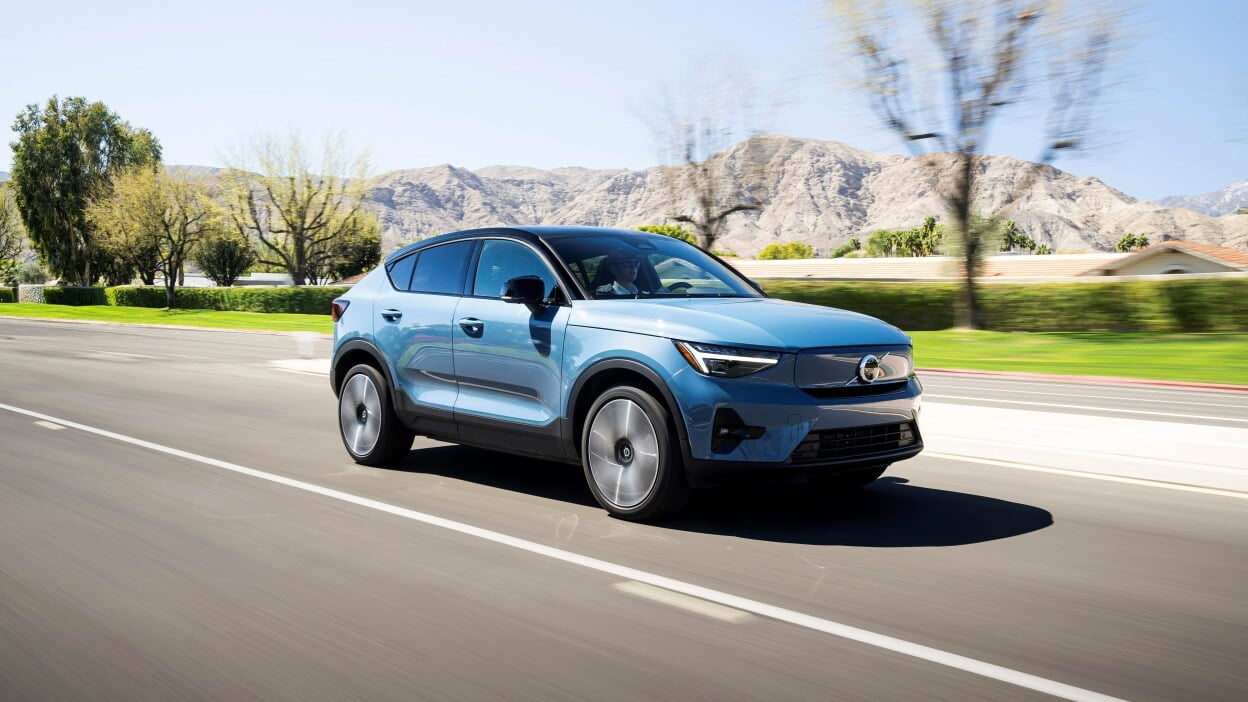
{"points": [[726, 361]]}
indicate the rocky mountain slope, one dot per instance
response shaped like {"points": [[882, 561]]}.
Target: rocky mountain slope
{"points": [[1215, 204], [819, 192]]}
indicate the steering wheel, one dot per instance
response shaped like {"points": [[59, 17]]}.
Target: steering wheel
{"points": [[679, 286]]}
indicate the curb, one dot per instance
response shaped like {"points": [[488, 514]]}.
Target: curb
{"points": [[1088, 379]]}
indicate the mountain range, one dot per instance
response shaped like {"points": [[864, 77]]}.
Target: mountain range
{"points": [[819, 192], [1215, 204]]}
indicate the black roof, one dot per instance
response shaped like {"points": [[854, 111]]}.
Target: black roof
{"points": [[543, 231]]}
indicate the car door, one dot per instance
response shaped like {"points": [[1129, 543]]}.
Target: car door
{"points": [[508, 355], [414, 328]]}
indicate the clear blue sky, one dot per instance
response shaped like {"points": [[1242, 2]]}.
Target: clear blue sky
{"points": [[549, 84]]}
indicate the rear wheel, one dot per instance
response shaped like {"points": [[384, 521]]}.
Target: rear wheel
{"points": [[629, 453], [848, 481], [370, 429]]}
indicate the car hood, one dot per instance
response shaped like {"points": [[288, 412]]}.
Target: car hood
{"points": [[757, 322]]}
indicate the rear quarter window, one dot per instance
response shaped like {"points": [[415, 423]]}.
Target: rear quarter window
{"points": [[441, 269]]}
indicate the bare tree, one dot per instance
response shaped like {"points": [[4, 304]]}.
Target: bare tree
{"points": [[294, 211], [707, 180], [938, 73]]}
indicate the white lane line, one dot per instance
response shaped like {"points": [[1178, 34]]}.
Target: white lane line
{"points": [[49, 425], [1082, 407], [1242, 405], [762, 609], [1095, 476], [1099, 432], [1092, 453], [685, 602], [936, 379]]}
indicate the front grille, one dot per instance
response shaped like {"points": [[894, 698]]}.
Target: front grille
{"points": [[855, 390], [858, 442]]}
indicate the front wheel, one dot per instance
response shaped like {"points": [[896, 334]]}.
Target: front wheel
{"points": [[370, 429], [629, 453]]}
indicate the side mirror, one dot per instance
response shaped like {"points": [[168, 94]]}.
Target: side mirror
{"points": [[526, 289]]}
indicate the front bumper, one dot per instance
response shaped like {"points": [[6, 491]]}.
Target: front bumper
{"points": [[789, 416]]}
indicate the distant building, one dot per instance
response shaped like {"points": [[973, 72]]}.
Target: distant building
{"points": [[1176, 257]]}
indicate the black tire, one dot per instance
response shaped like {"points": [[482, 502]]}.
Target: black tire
{"points": [[630, 455], [848, 481], [365, 409]]}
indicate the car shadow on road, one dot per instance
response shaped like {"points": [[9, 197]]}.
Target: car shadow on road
{"points": [[532, 476], [889, 513]]}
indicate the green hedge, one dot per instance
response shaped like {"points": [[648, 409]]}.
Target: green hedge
{"points": [[914, 306], [8, 294], [1207, 305], [75, 296], [300, 300]]}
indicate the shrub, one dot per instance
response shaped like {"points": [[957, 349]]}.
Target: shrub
{"points": [[297, 300], [1208, 305], [224, 257], [8, 294], [673, 230], [76, 296], [30, 273], [781, 252]]}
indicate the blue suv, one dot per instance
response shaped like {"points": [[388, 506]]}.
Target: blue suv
{"points": [[646, 360]]}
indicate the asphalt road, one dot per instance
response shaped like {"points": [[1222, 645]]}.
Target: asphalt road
{"points": [[138, 562]]}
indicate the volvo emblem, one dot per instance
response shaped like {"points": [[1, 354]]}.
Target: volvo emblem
{"points": [[869, 369]]}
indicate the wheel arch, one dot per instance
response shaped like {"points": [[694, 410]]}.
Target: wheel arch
{"points": [[604, 374], [353, 353]]}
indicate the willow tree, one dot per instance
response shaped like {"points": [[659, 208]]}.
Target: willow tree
{"points": [[166, 210], [67, 153], [295, 210], [940, 73]]}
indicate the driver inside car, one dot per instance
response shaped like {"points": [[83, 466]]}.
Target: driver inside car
{"points": [[622, 274]]}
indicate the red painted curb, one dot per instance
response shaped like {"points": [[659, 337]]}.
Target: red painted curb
{"points": [[1088, 379]]}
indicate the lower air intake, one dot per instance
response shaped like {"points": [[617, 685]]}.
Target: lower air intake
{"points": [[858, 442]]}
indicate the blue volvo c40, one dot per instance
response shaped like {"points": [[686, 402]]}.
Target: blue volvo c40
{"points": [[649, 362]]}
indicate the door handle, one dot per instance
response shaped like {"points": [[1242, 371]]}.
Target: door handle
{"points": [[391, 315], [472, 326]]}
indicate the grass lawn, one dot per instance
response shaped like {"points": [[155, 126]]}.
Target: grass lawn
{"points": [[1208, 358], [187, 318], [1212, 358]]}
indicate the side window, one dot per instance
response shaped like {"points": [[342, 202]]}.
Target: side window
{"points": [[502, 260], [441, 269], [401, 272]]}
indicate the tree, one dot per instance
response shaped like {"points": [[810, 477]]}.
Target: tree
{"points": [[708, 179], [789, 251], [942, 96], [169, 210], [350, 254], [224, 257], [66, 154], [12, 236], [846, 248], [1130, 242], [293, 212], [673, 230], [1043, 250]]}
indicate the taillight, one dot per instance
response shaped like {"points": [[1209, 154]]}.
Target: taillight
{"points": [[337, 308]]}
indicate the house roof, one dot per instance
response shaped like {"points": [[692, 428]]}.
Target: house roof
{"points": [[1233, 258]]}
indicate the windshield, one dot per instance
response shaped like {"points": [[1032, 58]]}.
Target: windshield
{"points": [[625, 266]]}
